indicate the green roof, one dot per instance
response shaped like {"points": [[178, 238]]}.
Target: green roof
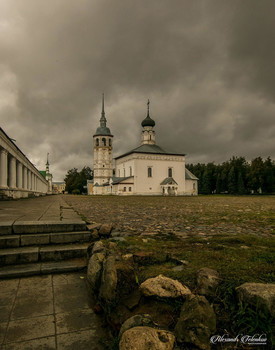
{"points": [[189, 175], [43, 173], [168, 181], [152, 149]]}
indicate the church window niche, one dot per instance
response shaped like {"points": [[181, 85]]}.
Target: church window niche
{"points": [[104, 141], [110, 142], [124, 173], [170, 172], [97, 142], [130, 189], [149, 171], [130, 171], [124, 189]]}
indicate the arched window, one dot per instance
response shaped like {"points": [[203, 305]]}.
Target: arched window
{"points": [[104, 141], [97, 142], [149, 172], [170, 172], [130, 171], [110, 142]]}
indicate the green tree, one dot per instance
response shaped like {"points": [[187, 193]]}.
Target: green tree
{"points": [[232, 181], [240, 185], [269, 176], [70, 180], [218, 184], [76, 182], [256, 174]]}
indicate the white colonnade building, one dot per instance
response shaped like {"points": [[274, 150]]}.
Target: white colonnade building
{"points": [[18, 176]]}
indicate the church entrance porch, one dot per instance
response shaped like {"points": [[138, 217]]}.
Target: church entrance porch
{"points": [[169, 187]]}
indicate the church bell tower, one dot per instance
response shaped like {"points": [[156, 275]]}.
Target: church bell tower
{"points": [[103, 154]]}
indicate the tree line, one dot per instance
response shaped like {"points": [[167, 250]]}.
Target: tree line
{"points": [[236, 176], [76, 181]]}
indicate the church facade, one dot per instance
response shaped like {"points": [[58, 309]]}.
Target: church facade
{"points": [[145, 170]]}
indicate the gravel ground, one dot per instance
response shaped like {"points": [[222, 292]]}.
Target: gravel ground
{"points": [[202, 215]]}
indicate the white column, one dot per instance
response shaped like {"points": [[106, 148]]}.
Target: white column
{"points": [[12, 172], [19, 175], [29, 179], [3, 168], [25, 182]]}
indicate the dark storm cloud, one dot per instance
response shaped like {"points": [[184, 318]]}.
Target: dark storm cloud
{"points": [[207, 67]]}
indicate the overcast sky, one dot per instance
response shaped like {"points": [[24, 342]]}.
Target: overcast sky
{"points": [[207, 67]]}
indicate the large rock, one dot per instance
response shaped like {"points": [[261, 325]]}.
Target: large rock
{"points": [[94, 270], [260, 294], [136, 321], [146, 338], [98, 247], [107, 292], [105, 230], [163, 287], [207, 280], [197, 322]]}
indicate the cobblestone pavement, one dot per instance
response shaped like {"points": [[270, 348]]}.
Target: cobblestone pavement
{"points": [[48, 208], [49, 312], [203, 215]]}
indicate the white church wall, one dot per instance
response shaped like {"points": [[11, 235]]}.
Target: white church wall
{"points": [[191, 187], [125, 168], [151, 185]]}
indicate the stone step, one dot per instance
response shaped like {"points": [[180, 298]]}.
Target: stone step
{"points": [[9, 241], [13, 241], [29, 227], [13, 271], [22, 255], [18, 255], [63, 252]]}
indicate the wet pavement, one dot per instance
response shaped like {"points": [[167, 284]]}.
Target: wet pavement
{"points": [[49, 312]]}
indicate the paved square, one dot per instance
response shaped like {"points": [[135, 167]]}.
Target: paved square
{"points": [[49, 312]]}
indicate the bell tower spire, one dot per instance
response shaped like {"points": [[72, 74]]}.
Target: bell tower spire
{"points": [[103, 154], [103, 120]]}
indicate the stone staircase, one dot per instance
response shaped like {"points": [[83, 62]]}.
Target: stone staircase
{"points": [[42, 247]]}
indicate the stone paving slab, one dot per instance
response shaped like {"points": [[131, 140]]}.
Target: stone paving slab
{"points": [[48, 208], [50, 312]]}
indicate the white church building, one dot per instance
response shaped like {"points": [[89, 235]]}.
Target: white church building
{"points": [[145, 170]]}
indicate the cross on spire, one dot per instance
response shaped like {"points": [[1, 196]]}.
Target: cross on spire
{"points": [[148, 108]]}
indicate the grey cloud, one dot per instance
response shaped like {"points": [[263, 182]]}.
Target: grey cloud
{"points": [[205, 65]]}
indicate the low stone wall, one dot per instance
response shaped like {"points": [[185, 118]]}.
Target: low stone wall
{"points": [[160, 313]]}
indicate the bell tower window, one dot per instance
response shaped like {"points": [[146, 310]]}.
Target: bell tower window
{"points": [[110, 142], [97, 142], [104, 141]]}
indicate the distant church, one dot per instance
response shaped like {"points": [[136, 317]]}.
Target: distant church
{"points": [[145, 170]]}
